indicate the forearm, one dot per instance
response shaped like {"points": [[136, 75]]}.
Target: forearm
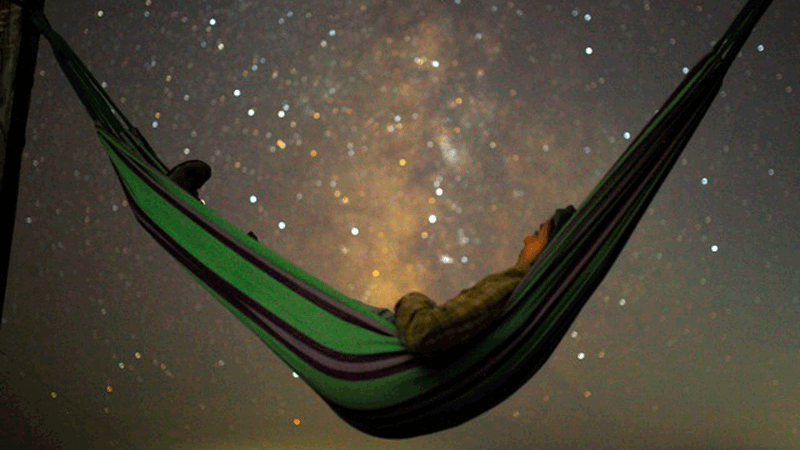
{"points": [[428, 330]]}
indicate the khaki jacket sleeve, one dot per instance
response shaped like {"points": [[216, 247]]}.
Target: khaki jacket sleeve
{"points": [[429, 331]]}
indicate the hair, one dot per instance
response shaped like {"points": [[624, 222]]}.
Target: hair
{"points": [[559, 219]]}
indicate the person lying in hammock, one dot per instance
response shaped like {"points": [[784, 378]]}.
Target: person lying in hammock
{"points": [[433, 331], [428, 330]]}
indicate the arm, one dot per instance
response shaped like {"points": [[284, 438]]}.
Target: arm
{"points": [[429, 330]]}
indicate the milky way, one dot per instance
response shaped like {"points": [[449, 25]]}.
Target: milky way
{"points": [[388, 147]]}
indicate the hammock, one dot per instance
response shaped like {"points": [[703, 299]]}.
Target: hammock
{"points": [[345, 350]]}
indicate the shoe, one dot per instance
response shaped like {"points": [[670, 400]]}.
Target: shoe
{"points": [[191, 176]]}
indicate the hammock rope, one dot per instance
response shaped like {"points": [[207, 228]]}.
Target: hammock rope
{"points": [[345, 350]]}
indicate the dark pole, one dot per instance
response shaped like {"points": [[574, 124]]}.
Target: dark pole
{"points": [[19, 44]]}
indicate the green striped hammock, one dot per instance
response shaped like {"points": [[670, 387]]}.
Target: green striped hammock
{"points": [[345, 350]]}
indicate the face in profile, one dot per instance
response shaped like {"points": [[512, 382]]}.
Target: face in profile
{"points": [[535, 243]]}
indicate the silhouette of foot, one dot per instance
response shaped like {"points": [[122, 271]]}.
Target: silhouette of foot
{"points": [[191, 175]]}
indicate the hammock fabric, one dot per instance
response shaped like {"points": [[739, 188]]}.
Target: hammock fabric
{"points": [[345, 350]]}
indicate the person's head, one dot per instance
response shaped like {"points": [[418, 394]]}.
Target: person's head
{"points": [[536, 242]]}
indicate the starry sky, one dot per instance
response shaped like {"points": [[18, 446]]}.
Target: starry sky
{"points": [[387, 146]]}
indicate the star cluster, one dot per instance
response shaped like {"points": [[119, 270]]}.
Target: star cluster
{"points": [[388, 147]]}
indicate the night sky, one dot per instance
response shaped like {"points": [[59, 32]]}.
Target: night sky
{"points": [[391, 146]]}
